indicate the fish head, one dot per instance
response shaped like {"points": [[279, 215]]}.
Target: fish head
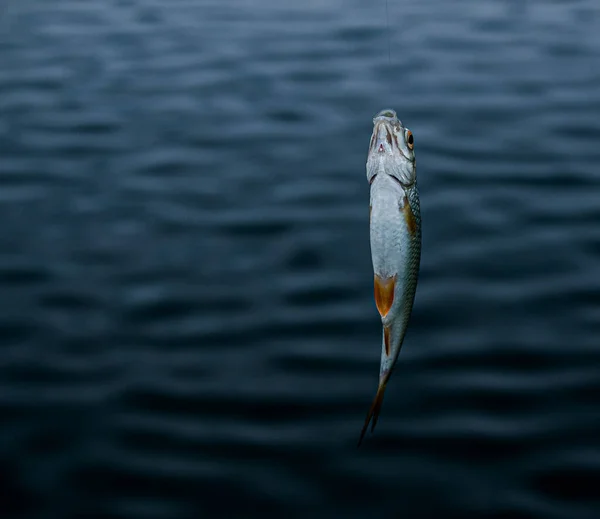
{"points": [[391, 150]]}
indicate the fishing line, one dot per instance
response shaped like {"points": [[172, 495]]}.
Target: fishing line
{"points": [[387, 24]]}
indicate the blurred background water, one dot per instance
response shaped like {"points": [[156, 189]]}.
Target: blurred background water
{"points": [[187, 323]]}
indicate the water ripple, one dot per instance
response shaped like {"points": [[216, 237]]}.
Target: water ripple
{"points": [[185, 269]]}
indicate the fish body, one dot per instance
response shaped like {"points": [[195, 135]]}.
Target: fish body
{"points": [[395, 234]]}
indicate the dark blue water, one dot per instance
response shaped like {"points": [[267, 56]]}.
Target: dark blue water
{"points": [[187, 324]]}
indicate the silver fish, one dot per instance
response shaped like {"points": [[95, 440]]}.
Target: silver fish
{"points": [[395, 228]]}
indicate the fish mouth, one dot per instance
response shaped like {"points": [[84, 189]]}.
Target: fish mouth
{"points": [[384, 140], [387, 113], [388, 151]]}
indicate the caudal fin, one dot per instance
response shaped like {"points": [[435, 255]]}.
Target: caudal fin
{"points": [[373, 413]]}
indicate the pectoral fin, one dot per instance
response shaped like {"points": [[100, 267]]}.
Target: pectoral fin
{"points": [[409, 217]]}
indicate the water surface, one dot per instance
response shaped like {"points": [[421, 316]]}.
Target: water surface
{"points": [[188, 327]]}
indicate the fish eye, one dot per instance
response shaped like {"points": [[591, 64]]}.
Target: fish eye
{"points": [[409, 140]]}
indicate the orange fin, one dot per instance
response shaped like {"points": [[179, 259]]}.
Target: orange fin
{"points": [[384, 294], [386, 339], [409, 217], [373, 413]]}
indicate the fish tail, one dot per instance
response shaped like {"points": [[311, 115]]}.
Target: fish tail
{"points": [[373, 413]]}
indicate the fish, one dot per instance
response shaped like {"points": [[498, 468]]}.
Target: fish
{"points": [[395, 236]]}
